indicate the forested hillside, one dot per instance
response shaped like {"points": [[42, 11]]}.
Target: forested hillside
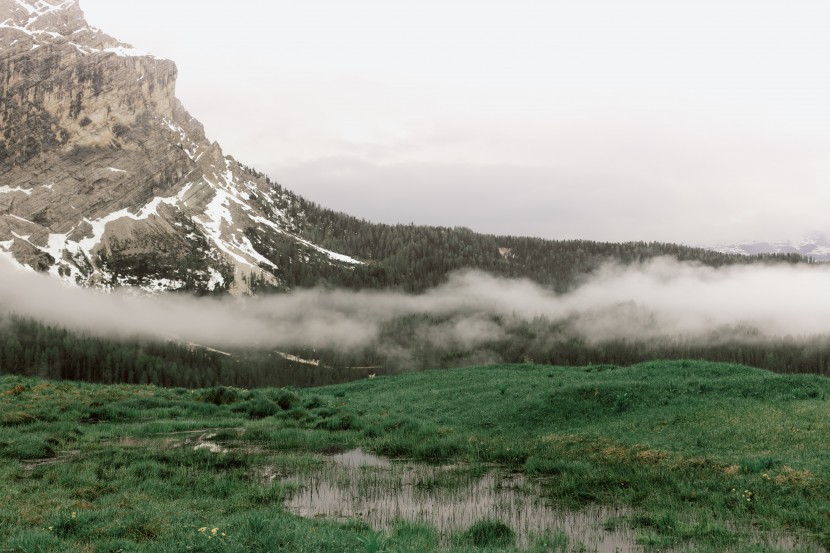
{"points": [[414, 258], [33, 349], [30, 348]]}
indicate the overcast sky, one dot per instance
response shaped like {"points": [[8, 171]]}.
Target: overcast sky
{"points": [[701, 121]]}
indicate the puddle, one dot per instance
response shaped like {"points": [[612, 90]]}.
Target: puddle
{"points": [[360, 485], [380, 491], [204, 442], [194, 439], [64, 457], [783, 541], [358, 458]]}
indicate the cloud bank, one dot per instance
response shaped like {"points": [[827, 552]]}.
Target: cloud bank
{"points": [[661, 298]]}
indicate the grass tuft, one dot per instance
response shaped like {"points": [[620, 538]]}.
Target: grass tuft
{"points": [[489, 533]]}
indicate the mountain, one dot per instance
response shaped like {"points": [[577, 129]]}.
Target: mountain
{"points": [[104, 176], [814, 245], [106, 180]]}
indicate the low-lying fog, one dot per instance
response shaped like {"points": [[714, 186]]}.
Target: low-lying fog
{"points": [[659, 298]]}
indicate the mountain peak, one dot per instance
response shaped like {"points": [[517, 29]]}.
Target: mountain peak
{"points": [[29, 24], [62, 17], [106, 180]]}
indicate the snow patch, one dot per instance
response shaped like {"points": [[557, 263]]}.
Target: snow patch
{"points": [[183, 193], [330, 254], [337, 256], [42, 7], [55, 245], [216, 212], [124, 52], [162, 284], [216, 279], [29, 9], [10, 190], [114, 170], [22, 219], [192, 148], [99, 225], [289, 357], [172, 126], [246, 247]]}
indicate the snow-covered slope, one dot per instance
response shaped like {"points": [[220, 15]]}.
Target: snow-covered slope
{"points": [[106, 180]]}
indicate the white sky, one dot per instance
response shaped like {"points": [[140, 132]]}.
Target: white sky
{"points": [[697, 121]]}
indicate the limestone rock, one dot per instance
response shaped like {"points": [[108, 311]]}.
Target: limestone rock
{"points": [[106, 180]]}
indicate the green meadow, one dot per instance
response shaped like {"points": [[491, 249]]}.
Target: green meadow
{"points": [[691, 456]]}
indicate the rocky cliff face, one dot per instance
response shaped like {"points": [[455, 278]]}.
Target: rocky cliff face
{"points": [[106, 180]]}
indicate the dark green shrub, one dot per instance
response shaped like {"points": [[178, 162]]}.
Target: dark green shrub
{"points": [[287, 399], [260, 408], [371, 431], [326, 412], [147, 403], [343, 421], [220, 395], [438, 449], [394, 445], [405, 425], [760, 464], [27, 447], [314, 402], [489, 533], [108, 413], [301, 415], [198, 409]]}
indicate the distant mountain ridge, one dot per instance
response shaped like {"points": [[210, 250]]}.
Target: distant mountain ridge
{"points": [[106, 180], [815, 245]]}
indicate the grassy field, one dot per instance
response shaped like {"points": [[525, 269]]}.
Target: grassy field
{"points": [[698, 456]]}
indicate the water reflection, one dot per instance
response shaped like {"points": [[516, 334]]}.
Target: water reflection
{"points": [[357, 484]]}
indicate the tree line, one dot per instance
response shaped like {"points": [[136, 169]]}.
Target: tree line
{"points": [[30, 348], [413, 258]]}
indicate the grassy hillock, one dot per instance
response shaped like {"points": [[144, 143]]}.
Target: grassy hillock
{"points": [[698, 456]]}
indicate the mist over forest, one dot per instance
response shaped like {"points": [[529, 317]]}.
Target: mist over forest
{"points": [[772, 316]]}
